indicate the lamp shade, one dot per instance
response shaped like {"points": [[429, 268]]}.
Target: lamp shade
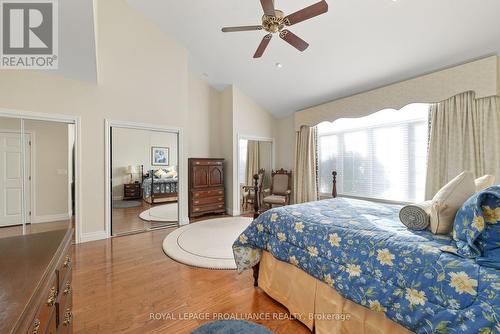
{"points": [[132, 169]]}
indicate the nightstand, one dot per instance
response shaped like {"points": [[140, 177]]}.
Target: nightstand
{"points": [[131, 191]]}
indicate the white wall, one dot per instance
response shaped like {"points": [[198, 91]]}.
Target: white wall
{"points": [[284, 133], [133, 147], [204, 138]]}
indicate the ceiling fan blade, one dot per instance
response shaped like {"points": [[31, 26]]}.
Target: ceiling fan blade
{"points": [[294, 40], [268, 7], [263, 45], [242, 28], [307, 13]]}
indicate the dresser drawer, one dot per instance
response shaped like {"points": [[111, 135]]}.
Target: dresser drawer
{"points": [[63, 268], [208, 162], [207, 193], [46, 309], [52, 328], [65, 298], [132, 186], [132, 192], [208, 208], [66, 324], [208, 200]]}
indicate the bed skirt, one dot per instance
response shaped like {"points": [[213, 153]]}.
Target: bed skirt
{"points": [[317, 305]]}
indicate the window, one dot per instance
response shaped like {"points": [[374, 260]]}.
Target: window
{"points": [[381, 156]]}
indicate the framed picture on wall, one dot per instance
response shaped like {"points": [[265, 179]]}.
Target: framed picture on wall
{"points": [[160, 156]]}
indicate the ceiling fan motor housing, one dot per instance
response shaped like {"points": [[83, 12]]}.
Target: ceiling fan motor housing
{"points": [[274, 24]]}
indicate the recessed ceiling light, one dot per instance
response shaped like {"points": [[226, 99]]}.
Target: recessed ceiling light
{"points": [[279, 65]]}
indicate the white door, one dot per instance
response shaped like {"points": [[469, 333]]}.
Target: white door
{"points": [[11, 178]]}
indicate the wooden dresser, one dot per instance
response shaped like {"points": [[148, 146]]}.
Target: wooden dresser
{"points": [[35, 283], [132, 191], [206, 186]]}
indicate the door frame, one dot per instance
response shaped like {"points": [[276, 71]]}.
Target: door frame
{"points": [[108, 124], [59, 118], [236, 172]]}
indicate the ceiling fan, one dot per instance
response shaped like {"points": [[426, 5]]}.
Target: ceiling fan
{"points": [[275, 21]]}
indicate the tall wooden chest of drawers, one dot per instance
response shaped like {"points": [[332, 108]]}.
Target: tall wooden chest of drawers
{"points": [[206, 186]]}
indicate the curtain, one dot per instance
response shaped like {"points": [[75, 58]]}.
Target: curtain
{"points": [[305, 183], [253, 161], [463, 136]]}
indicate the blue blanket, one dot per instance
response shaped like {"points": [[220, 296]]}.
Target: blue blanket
{"points": [[362, 250]]}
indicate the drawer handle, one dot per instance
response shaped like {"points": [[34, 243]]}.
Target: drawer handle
{"points": [[52, 297], [196, 202], [220, 198], [67, 261], [197, 209], [37, 326], [67, 289], [68, 316]]}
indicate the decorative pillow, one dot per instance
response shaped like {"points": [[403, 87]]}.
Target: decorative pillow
{"points": [[484, 182], [171, 169], [172, 174], [448, 200], [159, 173], [416, 216], [476, 230]]}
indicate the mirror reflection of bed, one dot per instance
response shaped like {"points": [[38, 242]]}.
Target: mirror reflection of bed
{"points": [[255, 157], [145, 181]]}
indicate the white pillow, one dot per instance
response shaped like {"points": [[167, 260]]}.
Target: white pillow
{"points": [[484, 182], [160, 173], [448, 200], [171, 174]]}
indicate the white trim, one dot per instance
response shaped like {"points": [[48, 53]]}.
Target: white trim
{"points": [[236, 211], [76, 120], [93, 236], [108, 124], [50, 218]]}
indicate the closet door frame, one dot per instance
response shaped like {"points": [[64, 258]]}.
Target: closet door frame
{"points": [[59, 118], [182, 194]]}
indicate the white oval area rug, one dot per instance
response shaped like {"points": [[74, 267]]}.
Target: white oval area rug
{"points": [[161, 213], [206, 244]]}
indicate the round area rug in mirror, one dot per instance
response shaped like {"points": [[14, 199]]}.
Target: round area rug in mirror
{"points": [[231, 327], [206, 244]]}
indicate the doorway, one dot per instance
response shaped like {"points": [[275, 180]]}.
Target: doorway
{"points": [[144, 179], [255, 156], [37, 173]]}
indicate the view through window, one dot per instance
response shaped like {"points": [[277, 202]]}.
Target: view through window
{"points": [[380, 156]]}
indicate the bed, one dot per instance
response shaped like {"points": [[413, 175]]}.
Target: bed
{"points": [[156, 190], [392, 280]]}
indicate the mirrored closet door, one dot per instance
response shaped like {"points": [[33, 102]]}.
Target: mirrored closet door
{"points": [[255, 157], [36, 176], [144, 180]]}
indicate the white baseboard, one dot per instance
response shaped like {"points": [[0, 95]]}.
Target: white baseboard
{"points": [[50, 218], [117, 198], [232, 212], [184, 221], [93, 236]]}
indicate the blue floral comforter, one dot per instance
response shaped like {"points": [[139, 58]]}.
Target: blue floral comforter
{"points": [[362, 250]]}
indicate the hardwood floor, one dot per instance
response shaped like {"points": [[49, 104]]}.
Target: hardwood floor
{"points": [[127, 220], [120, 282]]}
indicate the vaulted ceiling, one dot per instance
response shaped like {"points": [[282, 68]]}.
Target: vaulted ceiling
{"points": [[358, 45]]}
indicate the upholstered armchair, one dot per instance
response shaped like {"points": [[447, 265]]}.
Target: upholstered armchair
{"points": [[279, 194], [249, 191]]}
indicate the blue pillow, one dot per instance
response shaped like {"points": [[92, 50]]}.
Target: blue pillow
{"points": [[476, 229]]}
